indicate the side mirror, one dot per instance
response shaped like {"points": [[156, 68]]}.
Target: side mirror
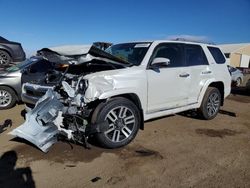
{"points": [[160, 62]]}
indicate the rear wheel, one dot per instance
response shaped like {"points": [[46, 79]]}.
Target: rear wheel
{"points": [[5, 58], [123, 118], [210, 104], [7, 97]]}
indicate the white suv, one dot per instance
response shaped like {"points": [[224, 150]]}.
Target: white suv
{"points": [[115, 91]]}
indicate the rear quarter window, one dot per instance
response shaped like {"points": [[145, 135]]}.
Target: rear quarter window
{"points": [[217, 55]]}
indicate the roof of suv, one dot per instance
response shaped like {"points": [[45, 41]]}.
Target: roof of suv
{"points": [[174, 41]]}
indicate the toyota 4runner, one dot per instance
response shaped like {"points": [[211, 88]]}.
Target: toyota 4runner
{"points": [[109, 94]]}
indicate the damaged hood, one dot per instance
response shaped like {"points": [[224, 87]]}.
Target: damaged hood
{"points": [[77, 54]]}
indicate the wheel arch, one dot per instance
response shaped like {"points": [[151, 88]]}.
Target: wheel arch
{"points": [[212, 83], [130, 96]]}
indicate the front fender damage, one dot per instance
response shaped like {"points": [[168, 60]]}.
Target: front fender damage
{"points": [[97, 86]]}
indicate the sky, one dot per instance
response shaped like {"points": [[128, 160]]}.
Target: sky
{"points": [[43, 23]]}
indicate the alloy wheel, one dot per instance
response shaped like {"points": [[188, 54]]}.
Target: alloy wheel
{"points": [[121, 123], [213, 104], [5, 98]]}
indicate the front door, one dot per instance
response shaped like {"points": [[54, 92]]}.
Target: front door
{"points": [[168, 86]]}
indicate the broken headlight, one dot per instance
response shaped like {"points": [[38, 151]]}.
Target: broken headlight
{"points": [[82, 86]]}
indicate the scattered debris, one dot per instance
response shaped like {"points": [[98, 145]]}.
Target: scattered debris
{"points": [[7, 123], [96, 179], [147, 152], [115, 179], [71, 165]]}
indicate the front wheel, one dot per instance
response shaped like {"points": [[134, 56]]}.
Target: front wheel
{"points": [[123, 118], [210, 104]]}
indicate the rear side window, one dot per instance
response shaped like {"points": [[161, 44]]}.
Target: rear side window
{"points": [[195, 55], [217, 55]]}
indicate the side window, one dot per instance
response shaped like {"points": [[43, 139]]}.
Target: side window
{"points": [[217, 55], [171, 51], [41, 67], [195, 55]]}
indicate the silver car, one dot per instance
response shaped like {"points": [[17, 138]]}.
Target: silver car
{"points": [[10, 83], [236, 75]]}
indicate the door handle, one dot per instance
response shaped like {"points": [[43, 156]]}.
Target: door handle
{"points": [[184, 75], [206, 72]]}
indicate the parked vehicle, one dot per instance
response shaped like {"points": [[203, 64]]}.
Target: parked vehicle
{"points": [[110, 94], [10, 52], [11, 79], [236, 75]]}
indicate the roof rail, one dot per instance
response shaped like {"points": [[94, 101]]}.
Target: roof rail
{"points": [[190, 40]]}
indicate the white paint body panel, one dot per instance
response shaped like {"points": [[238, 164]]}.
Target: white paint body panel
{"points": [[160, 93], [166, 89]]}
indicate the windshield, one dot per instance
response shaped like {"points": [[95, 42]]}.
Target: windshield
{"points": [[130, 52], [21, 65]]}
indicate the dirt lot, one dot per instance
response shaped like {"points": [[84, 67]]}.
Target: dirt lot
{"points": [[175, 151]]}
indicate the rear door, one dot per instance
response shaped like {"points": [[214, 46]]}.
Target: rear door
{"points": [[199, 70]]}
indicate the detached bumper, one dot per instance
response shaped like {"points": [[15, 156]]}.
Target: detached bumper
{"points": [[45, 122], [40, 136], [39, 127]]}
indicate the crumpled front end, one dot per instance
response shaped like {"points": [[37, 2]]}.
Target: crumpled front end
{"points": [[63, 112], [65, 109], [39, 127]]}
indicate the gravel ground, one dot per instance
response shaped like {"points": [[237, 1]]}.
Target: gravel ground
{"points": [[174, 151]]}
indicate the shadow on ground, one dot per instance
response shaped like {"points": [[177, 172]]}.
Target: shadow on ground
{"points": [[240, 91], [10, 176], [221, 133], [7, 123]]}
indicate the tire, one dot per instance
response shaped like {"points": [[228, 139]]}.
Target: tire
{"points": [[7, 98], [5, 58], [238, 82], [124, 119], [210, 104]]}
